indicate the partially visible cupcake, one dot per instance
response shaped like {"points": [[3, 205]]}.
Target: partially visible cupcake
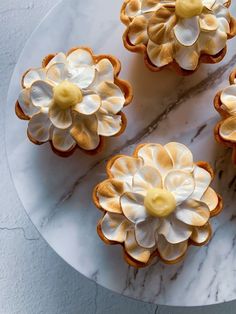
{"points": [[225, 104], [156, 203], [74, 101], [178, 34]]}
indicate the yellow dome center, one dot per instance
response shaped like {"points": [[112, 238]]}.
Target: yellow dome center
{"points": [[67, 95], [159, 203], [188, 8]]}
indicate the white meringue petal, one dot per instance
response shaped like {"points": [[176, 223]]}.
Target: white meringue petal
{"points": [[187, 57], [212, 44], [150, 5], [146, 178], [228, 99], [181, 156], [145, 232], [161, 24], [104, 71], [201, 234], [59, 58], [208, 22], [41, 94], [111, 108], [80, 57], [202, 179], [115, 227], [83, 76], [32, 76], [108, 125], [157, 157], [39, 126], [180, 184], [125, 167], [208, 3], [57, 73], [220, 10], [133, 8], [211, 199], [62, 140], [171, 252], [187, 31], [174, 230], [26, 104], [193, 213], [160, 55], [132, 205], [134, 250], [89, 105], [61, 118], [112, 97], [109, 193], [223, 25], [228, 129], [138, 31], [84, 131]]}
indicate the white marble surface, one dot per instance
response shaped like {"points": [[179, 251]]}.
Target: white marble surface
{"points": [[33, 279], [67, 219]]}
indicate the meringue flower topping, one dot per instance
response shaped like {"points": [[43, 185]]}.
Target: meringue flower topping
{"points": [[177, 31], [156, 201], [67, 95], [74, 100]]}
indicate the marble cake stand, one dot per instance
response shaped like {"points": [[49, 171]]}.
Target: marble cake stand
{"points": [[56, 192]]}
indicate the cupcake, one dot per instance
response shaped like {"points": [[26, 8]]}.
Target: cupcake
{"points": [[225, 104], [178, 34], [74, 101], [156, 203]]}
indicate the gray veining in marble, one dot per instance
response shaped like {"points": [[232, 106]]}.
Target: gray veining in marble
{"points": [[56, 192]]}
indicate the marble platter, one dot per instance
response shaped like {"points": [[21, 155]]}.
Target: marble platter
{"points": [[56, 192]]}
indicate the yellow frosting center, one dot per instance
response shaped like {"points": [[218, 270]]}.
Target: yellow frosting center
{"points": [[67, 95], [159, 202], [188, 8]]}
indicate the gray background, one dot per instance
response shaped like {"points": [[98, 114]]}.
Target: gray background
{"points": [[33, 279]]}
